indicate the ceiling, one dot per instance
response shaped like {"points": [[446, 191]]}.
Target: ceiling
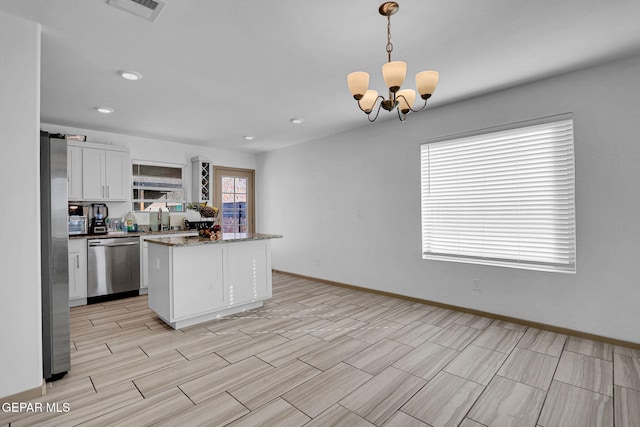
{"points": [[215, 71]]}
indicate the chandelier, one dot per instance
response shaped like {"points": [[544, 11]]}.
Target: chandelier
{"points": [[393, 73]]}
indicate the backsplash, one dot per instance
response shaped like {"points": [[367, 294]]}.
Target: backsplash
{"points": [[121, 209]]}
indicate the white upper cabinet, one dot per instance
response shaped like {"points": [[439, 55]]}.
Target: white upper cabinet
{"points": [[93, 177], [202, 174], [118, 175], [74, 172], [106, 174]]}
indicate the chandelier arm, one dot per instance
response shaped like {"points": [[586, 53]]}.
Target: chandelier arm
{"points": [[401, 116], [374, 104], [410, 108], [423, 107], [377, 112]]}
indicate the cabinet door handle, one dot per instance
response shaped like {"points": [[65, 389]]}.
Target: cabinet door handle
{"points": [[78, 261], [107, 191]]}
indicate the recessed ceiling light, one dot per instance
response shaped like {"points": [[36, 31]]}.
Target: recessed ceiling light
{"points": [[104, 110], [130, 75], [296, 121], [248, 137]]}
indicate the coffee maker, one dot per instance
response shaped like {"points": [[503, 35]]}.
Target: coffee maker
{"points": [[100, 212]]}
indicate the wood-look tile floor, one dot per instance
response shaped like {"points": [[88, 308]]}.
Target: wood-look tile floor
{"points": [[319, 355]]}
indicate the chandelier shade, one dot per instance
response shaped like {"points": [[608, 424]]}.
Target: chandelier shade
{"points": [[406, 99], [426, 82], [394, 74], [358, 82]]}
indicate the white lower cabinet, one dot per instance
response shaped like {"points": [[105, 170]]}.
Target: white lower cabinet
{"points": [[77, 272], [195, 284], [247, 271], [144, 257], [144, 266], [202, 288]]}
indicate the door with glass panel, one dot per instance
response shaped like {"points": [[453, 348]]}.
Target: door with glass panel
{"points": [[235, 199]]}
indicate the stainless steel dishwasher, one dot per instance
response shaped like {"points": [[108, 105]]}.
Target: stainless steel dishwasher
{"points": [[113, 266]]}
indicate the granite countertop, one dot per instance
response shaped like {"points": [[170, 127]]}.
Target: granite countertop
{"points": [[130, 234], [226, 238]]}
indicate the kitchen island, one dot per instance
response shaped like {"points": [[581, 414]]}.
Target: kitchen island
{"points": [[194, 280]]}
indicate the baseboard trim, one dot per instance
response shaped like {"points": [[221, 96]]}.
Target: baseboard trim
{"points": [[26, 395], [528, 323]]}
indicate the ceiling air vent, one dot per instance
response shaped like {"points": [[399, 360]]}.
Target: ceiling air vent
{"points": [[147, 9]]}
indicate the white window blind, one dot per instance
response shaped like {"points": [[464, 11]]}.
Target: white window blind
{"points": [[504, 198]]}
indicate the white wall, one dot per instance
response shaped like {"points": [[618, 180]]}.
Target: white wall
{"points": [[158, 151], [20, 310], [315, 193]]}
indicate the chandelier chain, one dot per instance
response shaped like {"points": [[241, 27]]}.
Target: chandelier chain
{"points": [[389, 44]]}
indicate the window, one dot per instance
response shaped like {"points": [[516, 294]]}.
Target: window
{"points": [[504, 198], [156, 186]]}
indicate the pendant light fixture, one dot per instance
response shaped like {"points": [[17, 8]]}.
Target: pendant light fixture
{"points": [[393, 73]]}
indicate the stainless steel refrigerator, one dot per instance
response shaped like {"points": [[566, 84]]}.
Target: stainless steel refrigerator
{"points": [[56, 358]]}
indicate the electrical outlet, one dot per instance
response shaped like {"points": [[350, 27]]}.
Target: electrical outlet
{"points": [[476, 285]]}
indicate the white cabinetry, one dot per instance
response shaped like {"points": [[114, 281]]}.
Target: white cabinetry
{"points": [[74, 172], [246, 263], [144, 257], [196, 283], [206, 291], [77, 272], [98, 172], [105, 174], [118, 175], [93, 163], [201, 172]]}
